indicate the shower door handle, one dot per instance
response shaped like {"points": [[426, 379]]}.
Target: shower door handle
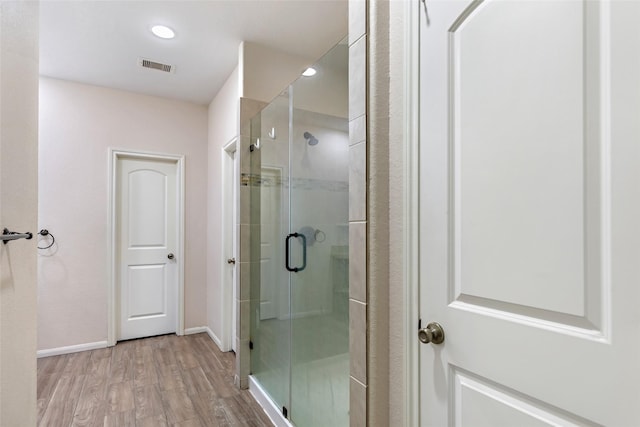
{"points": [[287, 249]]}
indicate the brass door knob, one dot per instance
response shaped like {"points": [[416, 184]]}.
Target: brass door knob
{"points": [[433, 334]]}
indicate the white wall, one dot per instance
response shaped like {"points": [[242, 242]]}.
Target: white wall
{"points": [[18, 210], [224, 113], [327, 91], [266, 72], [78, 123]]}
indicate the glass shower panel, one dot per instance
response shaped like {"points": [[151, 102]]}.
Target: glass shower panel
{"points": [[299, 186], [319, 210], [270, 282]]}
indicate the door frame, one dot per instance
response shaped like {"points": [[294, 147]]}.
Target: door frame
{"points": [[112, 265], [229, 291], [410, 201]]}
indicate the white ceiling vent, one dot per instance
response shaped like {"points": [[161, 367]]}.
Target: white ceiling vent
{"points": [[147, 63]]}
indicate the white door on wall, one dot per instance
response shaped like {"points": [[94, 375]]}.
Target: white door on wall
{"points": [[530, 212], [229, 206], [147, 241]]}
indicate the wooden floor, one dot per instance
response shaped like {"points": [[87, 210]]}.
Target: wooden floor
{"points": [[158, 381]]}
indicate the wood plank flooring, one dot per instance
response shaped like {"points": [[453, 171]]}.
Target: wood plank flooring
{"points": [[160, 381]]}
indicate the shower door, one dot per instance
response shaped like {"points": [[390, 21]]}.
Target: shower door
{"points": [[268, 181], [319, 214], [301, 350]]}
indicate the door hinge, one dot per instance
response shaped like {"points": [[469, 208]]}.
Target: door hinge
{"points": [[250, 345], [284, 411]]}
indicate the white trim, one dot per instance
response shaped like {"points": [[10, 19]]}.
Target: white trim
{"points": [[229, 228], [411, 200], [71, 349], [114, 155], [215, 338], [196, 330], [273, 412]]}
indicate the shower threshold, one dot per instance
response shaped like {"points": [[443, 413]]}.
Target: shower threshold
{"points": [[273, 412], [323, 383]]}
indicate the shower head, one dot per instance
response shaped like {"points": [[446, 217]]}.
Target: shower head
{"points": [[311, 140]]}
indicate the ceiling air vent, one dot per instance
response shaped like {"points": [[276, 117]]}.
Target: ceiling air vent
{"points": [[147, 63]]}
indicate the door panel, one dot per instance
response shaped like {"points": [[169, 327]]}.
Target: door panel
{"points": [[478, 402], [147, 227], [528, 161], [147, 202], [147, 290], [517, 151]]}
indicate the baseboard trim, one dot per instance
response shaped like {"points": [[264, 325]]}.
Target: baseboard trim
{"points": [[273, 412], [71, 349], [104, 344], [196, 330], [200, 329], [215, 338]]}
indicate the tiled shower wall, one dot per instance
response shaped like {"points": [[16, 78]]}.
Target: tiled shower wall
{"points": [[358, 179], [248, 223]]}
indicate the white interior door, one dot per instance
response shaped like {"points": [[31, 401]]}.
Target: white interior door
{"points": [[271, 246], [234, 250], [530, 212], [147, 242], [229, 245]]}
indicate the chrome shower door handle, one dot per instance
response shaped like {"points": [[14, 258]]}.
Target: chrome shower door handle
{"points": [[287, 249]]}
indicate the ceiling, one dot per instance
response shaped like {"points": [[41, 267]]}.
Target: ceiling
{"points": [[100, 42]]}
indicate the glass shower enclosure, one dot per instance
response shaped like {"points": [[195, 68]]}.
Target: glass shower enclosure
{"points": [[300, 287]]}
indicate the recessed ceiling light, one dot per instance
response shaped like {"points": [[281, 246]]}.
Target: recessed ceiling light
{"points": [[163, 32], [309, 72]]}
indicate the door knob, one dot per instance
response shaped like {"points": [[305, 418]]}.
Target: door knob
{"points": [[433, 334], [170, 256], [231, 261]]}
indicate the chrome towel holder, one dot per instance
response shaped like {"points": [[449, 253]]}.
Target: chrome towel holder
{"points": [[12, 235]]}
